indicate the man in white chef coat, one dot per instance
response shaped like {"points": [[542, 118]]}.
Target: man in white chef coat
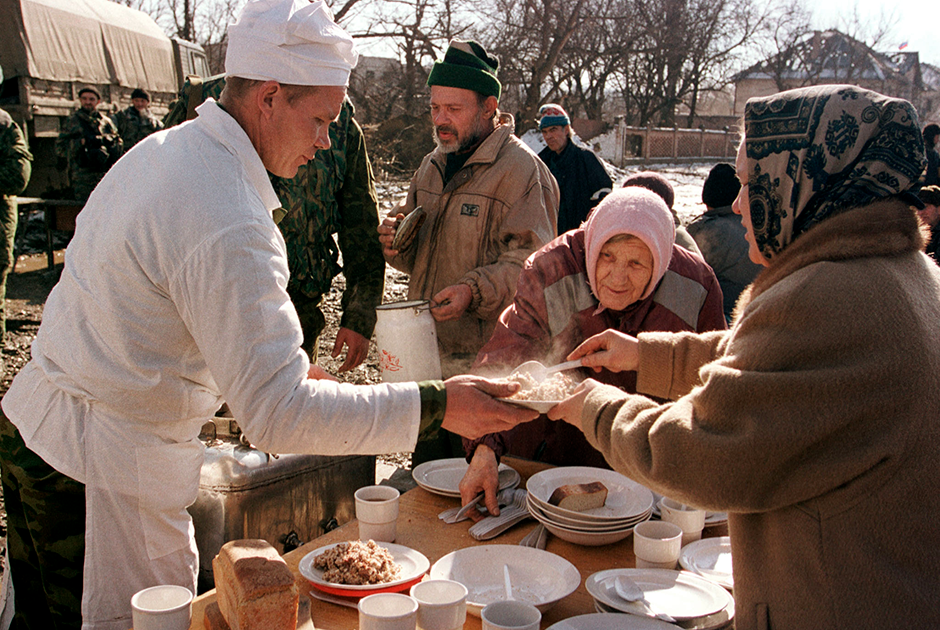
{"points": [[173, 298]]}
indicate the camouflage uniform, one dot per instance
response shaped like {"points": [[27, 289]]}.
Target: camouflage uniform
{"points": [[332, 194], [86, 128], [15, 169], [45, 536], [134, 126]]}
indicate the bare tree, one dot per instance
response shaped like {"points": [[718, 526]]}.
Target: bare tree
{"points": [[529, 37], [683, 48]]}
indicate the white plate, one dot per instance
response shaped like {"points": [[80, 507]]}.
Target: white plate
{"points": [[625, 497], [582, 525], [721, 620], [587, 539], [414, 565], [442, 476], [611, 621], [710, 558], [711, 518], [542, 406], [680, 594], [538, 577]]}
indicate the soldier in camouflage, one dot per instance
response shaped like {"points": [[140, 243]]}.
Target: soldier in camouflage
{"points": [[89, 144], [136, 122], [15, 169], [334, 193], [27, 513]]}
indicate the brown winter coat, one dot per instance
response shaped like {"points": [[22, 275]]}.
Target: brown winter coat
{"points": [[816, 425], [497, 210]]}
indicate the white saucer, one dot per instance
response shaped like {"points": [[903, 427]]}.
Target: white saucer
{"points": [[710, 558]]}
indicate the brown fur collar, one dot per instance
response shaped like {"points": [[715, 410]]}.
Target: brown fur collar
{"points": [[887, 227]]}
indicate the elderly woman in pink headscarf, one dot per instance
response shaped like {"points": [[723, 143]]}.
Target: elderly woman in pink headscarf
{"points": [[621, 270]]}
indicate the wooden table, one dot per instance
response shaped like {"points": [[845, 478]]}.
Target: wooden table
{"points": [[420, 529], [59, 214]]}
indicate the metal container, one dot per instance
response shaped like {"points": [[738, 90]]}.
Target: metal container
{"points": [[406, 337], [284, 499]]}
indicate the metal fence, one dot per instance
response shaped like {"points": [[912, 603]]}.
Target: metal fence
{"points": [[657, 144]]}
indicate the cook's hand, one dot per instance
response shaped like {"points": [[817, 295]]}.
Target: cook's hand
{"points": [[610, 349], [482, 476], [319, 374], [357, 348], [570, 408], [473, 411], [387, 230], [451, 302]]}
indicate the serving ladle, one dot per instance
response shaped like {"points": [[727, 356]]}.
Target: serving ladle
{"points": [[539, 372]]}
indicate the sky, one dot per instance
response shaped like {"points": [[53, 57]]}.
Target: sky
{"points": [[917, 23]]}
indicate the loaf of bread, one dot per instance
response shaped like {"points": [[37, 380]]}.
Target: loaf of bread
{"points": [[579, 496], [213, 619], [255, 589]]}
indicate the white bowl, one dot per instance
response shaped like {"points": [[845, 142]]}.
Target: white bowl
{"points": [[536, 576]]}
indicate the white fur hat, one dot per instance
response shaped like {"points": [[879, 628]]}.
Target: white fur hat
{"points": [[290, 41]]}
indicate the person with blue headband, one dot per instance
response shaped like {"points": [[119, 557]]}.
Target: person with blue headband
{"points": [[582, 179]]}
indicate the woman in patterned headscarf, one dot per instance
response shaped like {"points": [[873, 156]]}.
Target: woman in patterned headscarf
{"points": [[814, 420]]}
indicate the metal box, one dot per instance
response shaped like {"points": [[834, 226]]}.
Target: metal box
{"points": [[284, 499]]}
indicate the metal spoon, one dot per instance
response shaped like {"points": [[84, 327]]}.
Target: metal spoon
{"points": [[539, 372], [630, 591]]}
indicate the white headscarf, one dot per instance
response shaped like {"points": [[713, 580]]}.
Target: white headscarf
{"points": [[290, 41], [636, 211]]}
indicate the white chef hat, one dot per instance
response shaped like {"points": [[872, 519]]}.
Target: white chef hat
{"points": [[290, 41]]}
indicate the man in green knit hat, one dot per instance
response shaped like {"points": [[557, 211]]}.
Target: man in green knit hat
{"points": [[490, 203]]}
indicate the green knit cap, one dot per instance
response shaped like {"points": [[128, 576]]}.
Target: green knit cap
{"points": [[466, 65]]}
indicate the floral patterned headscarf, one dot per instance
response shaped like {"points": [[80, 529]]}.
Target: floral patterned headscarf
{"points": [[815, 152]]}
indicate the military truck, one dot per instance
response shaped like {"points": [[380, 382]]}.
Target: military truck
{"points": [[50, 49]]}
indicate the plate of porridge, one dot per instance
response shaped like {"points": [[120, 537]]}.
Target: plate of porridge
{"points": [[541, 395], [363, 567]]}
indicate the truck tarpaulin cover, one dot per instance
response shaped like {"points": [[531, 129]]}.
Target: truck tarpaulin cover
{"points": [[86, 41]]}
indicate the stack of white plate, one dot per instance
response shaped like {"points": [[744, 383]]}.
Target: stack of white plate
{"points": [[628, 503], [442, 476], [695, 602]]}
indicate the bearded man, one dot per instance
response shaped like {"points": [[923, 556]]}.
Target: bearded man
{"points": [[490, 203]]}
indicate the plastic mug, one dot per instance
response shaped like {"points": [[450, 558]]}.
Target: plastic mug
{"points": [[657, 544], [387, 611], [163, 607], [442, 604], [691, 520], [377, 513], [510, 615]]}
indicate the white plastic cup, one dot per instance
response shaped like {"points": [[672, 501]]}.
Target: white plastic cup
{"points": [[691, 520], [442, 604], [377, 513], [510, 615], [657, 544], [163, 607], [387, 611]]}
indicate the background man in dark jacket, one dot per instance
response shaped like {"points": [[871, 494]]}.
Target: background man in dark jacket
{"points": [[720, 235], [582, 179]]}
